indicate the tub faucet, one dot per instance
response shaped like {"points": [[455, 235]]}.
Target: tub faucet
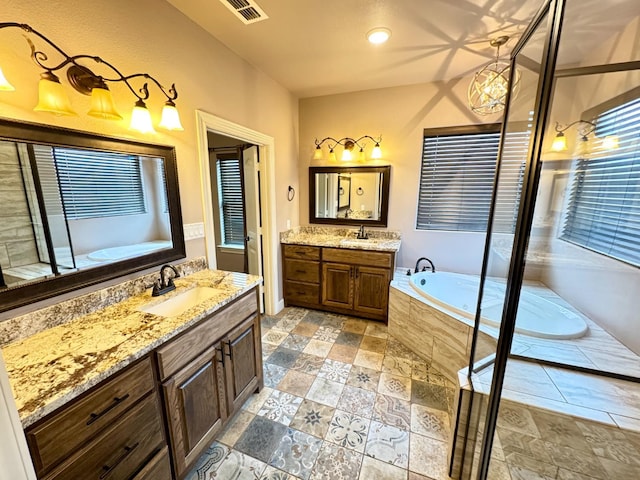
{"points": [[162, 286], [362, 235], [433, 268]]}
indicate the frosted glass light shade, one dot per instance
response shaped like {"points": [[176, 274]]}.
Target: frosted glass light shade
{"points": [[52, 97], [141, 118], [5, 86], [317, 153], [610, 142], [346, 155], [376, 153], [559, 143], [102, 104], [170, 119], [332, 155], [361, 156]]}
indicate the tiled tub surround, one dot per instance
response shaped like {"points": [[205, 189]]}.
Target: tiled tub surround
{"points": [[381, 240], [48, 369]]}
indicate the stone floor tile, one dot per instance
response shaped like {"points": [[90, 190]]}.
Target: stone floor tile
{"points": [[373, 469], [318, 348], [335, 371], [374, 344], [430, 422], [296, 382], [261, 438], [307, 363], [368, 359], [272, 473], [313, 418], [326, 334], [295, 342], [348, 338], [357, 401], [395, 386], [336, 463], [280, 407], [348, 430], [239, 466], [388, 444], [235, 428], [392, 411], [305, 329], [273, 374], [325, 391], [283, 357], [364, 378], [296, 453], [354, 325], [342, 353], [427, 456], [255, 401], [376, 329], [397, 366]]}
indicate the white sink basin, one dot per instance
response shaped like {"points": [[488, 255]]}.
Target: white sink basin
{"points": [[182, 302]]}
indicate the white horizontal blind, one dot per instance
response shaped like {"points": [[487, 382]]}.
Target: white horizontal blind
{"points": [[457, 176], [231, 203], [603, 212]]}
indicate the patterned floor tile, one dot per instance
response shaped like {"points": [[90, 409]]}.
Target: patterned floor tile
{"points": [[392, 411], [318, 348], [376, 329], [255, 401], [388, 444], [334, 370], [274, 337], [515, 417], [239, 466], [267, 350], [273, 374], [430, 422], [261, 438], [313, 418], [395, 386], [209, 462], [349, 339], [284, 357], [268, 322], [271, 473], [286, 324], [280, 407], [326, 334], [296, 453], [374, 344], [325, 391], [428, 456], [235, 428], [369, 359], [434, 396], [397, 349], [297, 383], [305, 329], [307, 363], [336, 463], [342, 353], [315, 318], [373, 469], [333, 321], [397, 366], [611, 443], [423, 372], [295, 342], [357, 401], [348, 430], [354, 325], [364, 378], [417, 476]]}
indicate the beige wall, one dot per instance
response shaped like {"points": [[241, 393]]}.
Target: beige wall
{"points": [[399, 114], [153, 37]]}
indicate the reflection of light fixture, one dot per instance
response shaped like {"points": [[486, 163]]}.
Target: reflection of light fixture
{"points": [[378, 35], [585, 128], [610, 142], [487, 92], [349, 144], [53, 98]]}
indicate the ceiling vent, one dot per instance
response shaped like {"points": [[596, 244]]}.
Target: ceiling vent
{"points": [[247, 11]]}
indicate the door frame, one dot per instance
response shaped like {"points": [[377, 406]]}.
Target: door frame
{"points": [[266, 145]]}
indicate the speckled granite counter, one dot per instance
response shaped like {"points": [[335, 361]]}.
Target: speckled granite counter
{"points": [[48, 369], [384, 241]]}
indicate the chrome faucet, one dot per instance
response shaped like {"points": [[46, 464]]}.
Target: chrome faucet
{"points": [[362, 235], [162, 286], [424, 269]]}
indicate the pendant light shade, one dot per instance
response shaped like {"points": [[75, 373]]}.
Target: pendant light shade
{"points": [[5, 86], [559, 143], [170, 119], [317, 153], [51, 96], [102, 104], [141, 118], [376, 153], [332, 155]]}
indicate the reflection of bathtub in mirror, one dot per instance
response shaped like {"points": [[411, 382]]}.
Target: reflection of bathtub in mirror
{"points": [[113, 254]]}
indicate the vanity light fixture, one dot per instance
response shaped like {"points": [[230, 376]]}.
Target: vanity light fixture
{"points": [[584, 144], [487, 92], [348, 145], [52, 96]]}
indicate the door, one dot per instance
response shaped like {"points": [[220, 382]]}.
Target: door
{"points": [[337, 285], [253, 238], [195, 406], [372, 290]]}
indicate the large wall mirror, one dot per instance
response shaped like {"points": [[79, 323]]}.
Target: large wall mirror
{"points": [[79, 208], [349, 195]]}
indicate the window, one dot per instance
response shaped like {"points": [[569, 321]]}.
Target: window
{"points": [[230, 198], [603, 209], [92, 184], [457, 177]]}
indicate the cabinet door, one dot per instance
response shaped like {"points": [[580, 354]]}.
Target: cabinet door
{"points": [[195, 407], [243, 362], [372, 290], [337, 285]]}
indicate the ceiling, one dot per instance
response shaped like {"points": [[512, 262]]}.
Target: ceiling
{"points": [[319, 47]]}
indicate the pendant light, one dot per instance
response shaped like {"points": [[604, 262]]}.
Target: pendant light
{"points": [[52, 97]]}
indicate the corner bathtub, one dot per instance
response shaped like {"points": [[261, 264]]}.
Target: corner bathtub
{"points": [[113, 254], [537, 317]]}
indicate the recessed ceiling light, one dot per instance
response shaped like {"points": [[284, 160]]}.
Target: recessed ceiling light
{"points": [[378, 35]]}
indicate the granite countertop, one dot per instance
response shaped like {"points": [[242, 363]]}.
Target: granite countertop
{"points": [[50, 368], [383, 241]]}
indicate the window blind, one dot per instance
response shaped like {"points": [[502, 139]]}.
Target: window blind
{"points": [[231, 202], [603, 209], [457, 176]]}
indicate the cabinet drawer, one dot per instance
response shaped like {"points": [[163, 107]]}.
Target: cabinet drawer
{"points": [[302, 252], [178, 352], [122, 450], [302, 270], [358, 257], [295, 292], [158, 468], [57, 438]]}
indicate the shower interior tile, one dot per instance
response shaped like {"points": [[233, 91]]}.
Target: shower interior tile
{"points": [[624, 359], [567, 354], [526, 377]]}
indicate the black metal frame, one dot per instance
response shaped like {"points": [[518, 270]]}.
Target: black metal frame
{"points": [[33, 133]]}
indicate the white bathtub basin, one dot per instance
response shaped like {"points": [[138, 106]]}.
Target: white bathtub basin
{"points": [[174, 306]]}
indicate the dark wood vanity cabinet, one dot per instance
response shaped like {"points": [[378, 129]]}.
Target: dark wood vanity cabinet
{"points": [[350, 281]]}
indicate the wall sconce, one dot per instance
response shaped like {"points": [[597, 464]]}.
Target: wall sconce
{"points": [[348, 145], [584, 144], [53, 98]]}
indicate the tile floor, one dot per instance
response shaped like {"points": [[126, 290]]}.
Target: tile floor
{"points": [[342, 400]]}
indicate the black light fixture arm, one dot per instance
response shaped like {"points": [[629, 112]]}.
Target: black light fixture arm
{"points": [[80, 76], [348, 141], [588, 128]]}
